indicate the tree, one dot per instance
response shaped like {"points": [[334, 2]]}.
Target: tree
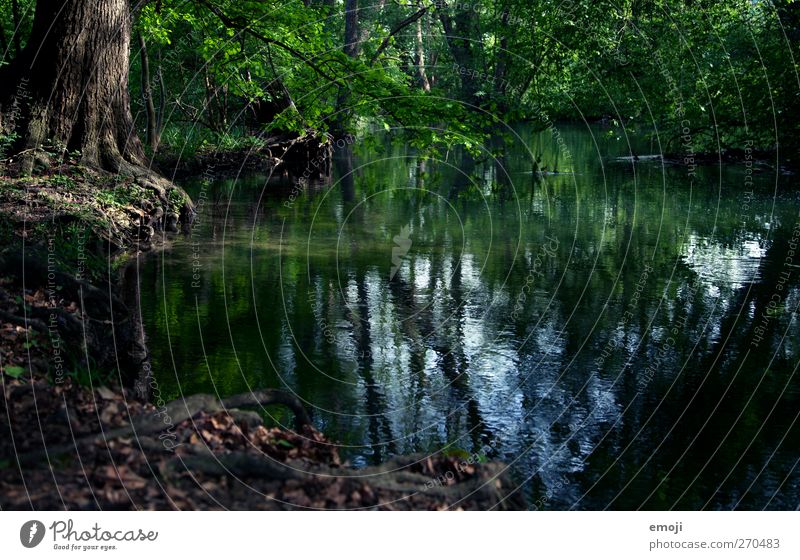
{"points": [[68, 88], [419, 59], [153, 117]]}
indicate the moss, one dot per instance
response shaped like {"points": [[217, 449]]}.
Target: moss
{"points": [[177, 199], [93, 218]]}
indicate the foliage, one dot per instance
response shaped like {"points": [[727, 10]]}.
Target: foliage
{"points": [[438, 73], [706, 75], [238, 69]]}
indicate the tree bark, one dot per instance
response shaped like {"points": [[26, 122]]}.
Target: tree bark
{"points": [[76, 93]]}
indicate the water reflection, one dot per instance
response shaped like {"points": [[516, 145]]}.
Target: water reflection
{"points": [[602, 330]]}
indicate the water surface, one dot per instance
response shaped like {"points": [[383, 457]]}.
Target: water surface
{"points": [[622, 334]]}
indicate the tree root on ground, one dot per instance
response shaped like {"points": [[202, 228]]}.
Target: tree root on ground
{"points": [[174, 413], [206, 453]]}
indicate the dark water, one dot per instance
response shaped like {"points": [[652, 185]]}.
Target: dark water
{"points": [[623, 336]]}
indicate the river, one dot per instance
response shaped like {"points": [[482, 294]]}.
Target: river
{"points": [[623, 334]]}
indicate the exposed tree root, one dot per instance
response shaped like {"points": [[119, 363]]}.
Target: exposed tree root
{"points": [[202, 453], [175, 412]]}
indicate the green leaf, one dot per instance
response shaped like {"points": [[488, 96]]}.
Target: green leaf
{"points": [[14, 371]]}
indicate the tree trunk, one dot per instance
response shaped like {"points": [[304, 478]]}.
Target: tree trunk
{"points": [[153, 131], [422, 77], [433, 56], [17, 30], [351, 49], [458, 30], [3, 42], [351, 35], [207, 108], [75, 75]]}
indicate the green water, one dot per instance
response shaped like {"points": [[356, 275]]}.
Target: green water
{"points": [[621, 335]]}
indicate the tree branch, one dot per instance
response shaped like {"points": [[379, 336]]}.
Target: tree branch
{"points": [[397, 29], [232, 24]]}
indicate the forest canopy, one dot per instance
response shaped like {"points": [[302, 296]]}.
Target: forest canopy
{"points": [[228, 72]]}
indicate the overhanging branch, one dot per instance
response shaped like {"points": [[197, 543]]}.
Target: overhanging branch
{"points": [[244, 28]]}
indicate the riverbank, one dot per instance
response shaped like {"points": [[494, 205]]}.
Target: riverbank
{"points": [[107, 450], [84, 425], [288, 155], [66, 235]]}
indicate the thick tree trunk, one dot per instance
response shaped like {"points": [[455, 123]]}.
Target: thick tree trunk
{"points": [[75, 75], [458, 30], [68, 92]]}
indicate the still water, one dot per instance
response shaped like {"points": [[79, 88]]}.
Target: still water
{"points": [[622, 334]]}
